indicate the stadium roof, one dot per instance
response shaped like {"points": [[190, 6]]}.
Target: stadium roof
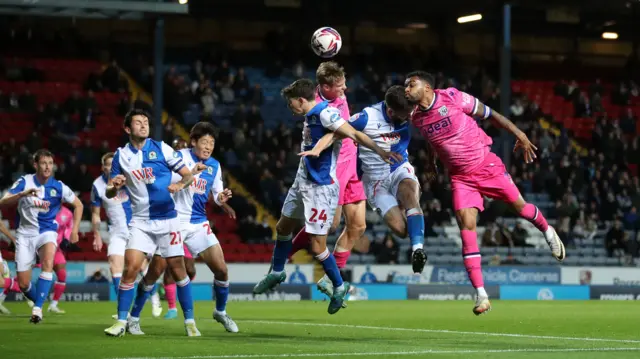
{"points": [[94, 9]]}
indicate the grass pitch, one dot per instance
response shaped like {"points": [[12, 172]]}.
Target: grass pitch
{"points": [[393, 329]]}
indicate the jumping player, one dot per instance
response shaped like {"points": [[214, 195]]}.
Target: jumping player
{"points": [[314, 193], [392, 188], [444, 117], [331, 87], [145, 166], [191, 204], [39, 197]]}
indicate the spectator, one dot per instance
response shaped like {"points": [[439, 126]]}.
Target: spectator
{"points": [[615, 238], [386, 252], [97, 277]]}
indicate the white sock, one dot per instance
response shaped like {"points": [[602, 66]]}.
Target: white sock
{"points": [[341, 287], [276, 272], [134, 319], [549, 234], [416, 246], [481, 292], [54, 303], [123, 321], [189, 321], [224, 312], [155, 300]]}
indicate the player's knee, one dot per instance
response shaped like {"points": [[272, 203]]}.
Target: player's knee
{"points": [[466, 220], [222, 273], [356, 230], [191, 271]]}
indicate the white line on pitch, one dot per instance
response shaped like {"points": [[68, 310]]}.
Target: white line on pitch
{"points": [[444, 331], [417, 352]]}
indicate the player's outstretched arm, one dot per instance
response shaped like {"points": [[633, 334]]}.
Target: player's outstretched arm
{"points": [[16, 192], [522, 141], [325, 142], [347, 131], [4, 230], [185, 181]]}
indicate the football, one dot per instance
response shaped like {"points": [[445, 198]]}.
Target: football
{"points": [[326, 42]]}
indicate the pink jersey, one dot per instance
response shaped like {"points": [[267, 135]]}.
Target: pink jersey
{"points": [[348, 151], [447, 124], [65, 223]]}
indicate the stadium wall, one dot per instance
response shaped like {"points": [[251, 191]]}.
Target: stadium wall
{"points": [[386, 282]]}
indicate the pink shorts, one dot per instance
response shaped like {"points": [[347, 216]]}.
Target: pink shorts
{"points": [[58, 258], [351, 189], [187, 254], [491, 179]]}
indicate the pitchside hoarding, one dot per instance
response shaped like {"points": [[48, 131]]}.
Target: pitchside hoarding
{"points": [[618, 276]]}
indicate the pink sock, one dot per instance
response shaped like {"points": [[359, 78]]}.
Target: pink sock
{"points": [[300, 241], [532, 214], [170, 294], [11, 285], [471, 257], [341, 258], [58, 289]]}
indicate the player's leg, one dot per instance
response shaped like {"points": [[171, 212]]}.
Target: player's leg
{"points": [[26, 251], [60, 268], [206, 244], [139, 243], [46, 243], [5, 283], [170, 294], [171, 248], [292, 212], [408, 194], [467, 202], [532, 214], [155, 269], [115, 255]]}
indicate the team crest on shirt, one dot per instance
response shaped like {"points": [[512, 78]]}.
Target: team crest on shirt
{"points": [[152, 155], [210, 170], [53, 193], [443, 111], [312, 120]]}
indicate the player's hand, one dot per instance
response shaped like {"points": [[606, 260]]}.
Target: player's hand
{"points": [[198, 168], [390, 157], [118, 181], [29, 192], [74, 237], [175, 187], [528, 149], [310, 153], [97, 242], [13, 240], [224, 196], [230, 211]]}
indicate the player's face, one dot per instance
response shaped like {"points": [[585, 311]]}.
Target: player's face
{"points": [[44, 167], [204, 146], [335, 90], [296, 105], [139, 127], [414, 89], [106, 167]]}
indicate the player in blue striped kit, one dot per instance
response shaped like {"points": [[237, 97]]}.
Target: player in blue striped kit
{"points": [[39, 197], [145, 166]]}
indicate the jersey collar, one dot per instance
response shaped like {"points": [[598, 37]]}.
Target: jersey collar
{"points": [[384, 112], [194, 156], [35, 180], [135, 150], [435, 98]]}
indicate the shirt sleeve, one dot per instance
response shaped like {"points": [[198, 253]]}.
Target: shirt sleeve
{"points": [[18, 186], [172, 158], [217, 186], [67, 194], [96, 200], [359, 121], [115, 165], [466, 102], [331, 119]]}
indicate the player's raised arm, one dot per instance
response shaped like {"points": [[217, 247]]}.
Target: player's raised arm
{"points": [[176, 164], [324, 142], [16, 192]]}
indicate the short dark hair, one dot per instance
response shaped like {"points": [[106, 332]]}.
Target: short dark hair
{"points": [[202, 129], [304, 88], [135, 112], [106, 156], [396, 100], [424, 76], [43, 152], [329, 72]]}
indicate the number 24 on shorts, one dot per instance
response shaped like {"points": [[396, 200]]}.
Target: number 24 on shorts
{"points": [[322, 216]]}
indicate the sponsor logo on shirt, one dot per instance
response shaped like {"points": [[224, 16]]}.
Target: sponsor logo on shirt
{"points": [[391, 138], [199, 185], [41, 205], [144, 175], [439, 126]]}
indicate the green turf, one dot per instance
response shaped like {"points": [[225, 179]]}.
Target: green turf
{"points": [[302, 329]]}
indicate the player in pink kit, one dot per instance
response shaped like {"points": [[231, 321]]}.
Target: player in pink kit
{"points": [[65, 226], [445, 119], [331, 86]]}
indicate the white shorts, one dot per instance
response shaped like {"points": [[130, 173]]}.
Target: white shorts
{"points": [[27, 247], [382, 194], [313, 203], [117, 243], [162, 235], [198, 237]]}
